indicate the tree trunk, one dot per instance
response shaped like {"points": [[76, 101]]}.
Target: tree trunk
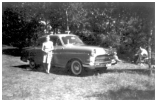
{"points": [[149, 51]]}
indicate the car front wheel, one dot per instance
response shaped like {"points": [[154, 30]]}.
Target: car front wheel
{"points": [[76, 67]]}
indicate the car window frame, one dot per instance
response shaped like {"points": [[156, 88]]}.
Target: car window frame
{"points": [[58, 41], [54, 39], [71, 36]]}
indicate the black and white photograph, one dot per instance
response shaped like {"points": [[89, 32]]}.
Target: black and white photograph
{"points": [[78, 50]]}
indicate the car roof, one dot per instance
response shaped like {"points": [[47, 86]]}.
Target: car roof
{"points": [[61, 35]]}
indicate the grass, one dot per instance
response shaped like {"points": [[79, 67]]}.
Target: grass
{"points": [[125, 86], [123, 81]]}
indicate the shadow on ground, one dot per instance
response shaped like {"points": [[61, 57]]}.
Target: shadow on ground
{"points": [[87, 72], [125, 94], [22, 66], [59, 71], [54, 70]]}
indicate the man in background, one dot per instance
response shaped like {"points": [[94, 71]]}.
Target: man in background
{"points": [[142, 54], [115, 54]]}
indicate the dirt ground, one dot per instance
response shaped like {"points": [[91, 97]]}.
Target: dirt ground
{"points": [[124, 81]]}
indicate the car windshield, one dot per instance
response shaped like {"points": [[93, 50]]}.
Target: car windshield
{"points": [[72, 40]]}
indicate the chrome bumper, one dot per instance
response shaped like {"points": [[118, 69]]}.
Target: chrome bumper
{"points": [[100, 65]]}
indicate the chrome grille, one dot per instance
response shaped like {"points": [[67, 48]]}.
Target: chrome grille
{"points": [[103, 58]]}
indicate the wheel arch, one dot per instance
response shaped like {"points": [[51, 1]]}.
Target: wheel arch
{"points": [[74, 59], [69, 61]]}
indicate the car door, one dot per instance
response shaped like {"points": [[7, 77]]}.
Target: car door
{"points": [[58, 53]]}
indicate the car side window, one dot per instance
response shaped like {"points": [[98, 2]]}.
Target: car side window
{"points": [[58, 42]]}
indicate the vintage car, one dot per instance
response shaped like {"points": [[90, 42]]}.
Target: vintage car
{"points": [[71, 53]]}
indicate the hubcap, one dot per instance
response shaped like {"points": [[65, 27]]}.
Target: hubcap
{"points": [[32, 64], [76, 68]]}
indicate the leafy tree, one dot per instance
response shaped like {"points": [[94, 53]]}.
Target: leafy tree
{"points": [[16, 30], [125, 26]]}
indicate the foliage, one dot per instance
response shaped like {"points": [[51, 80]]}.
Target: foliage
{"points": [[125, 26], [16, 30]]}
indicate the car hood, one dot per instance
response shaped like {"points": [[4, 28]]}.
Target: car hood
{"points": [[99, 50]]}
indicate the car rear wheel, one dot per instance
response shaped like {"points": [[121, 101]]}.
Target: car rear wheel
{"points": [[76, 67], [32, 64]]}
